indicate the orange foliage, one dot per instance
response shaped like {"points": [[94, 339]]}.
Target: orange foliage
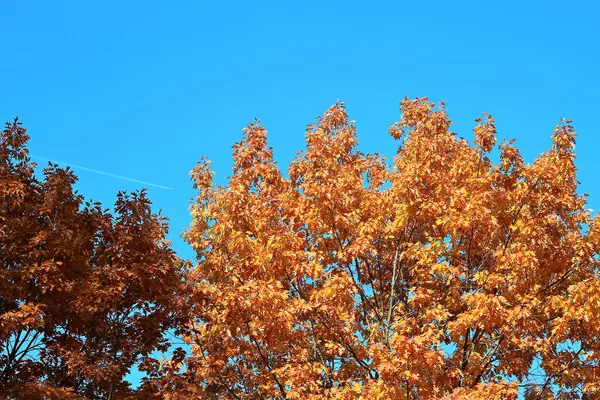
{"points": [[443, 276]]}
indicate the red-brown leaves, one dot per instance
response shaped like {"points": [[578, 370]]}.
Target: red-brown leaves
{"points": [[84, 294]]}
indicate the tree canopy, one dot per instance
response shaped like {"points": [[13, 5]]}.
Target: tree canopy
{"points": [[444, 275], [84, 293], [440, 274]]}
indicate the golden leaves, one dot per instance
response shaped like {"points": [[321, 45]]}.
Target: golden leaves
{"points": [[563, 137], [444, 275], [485, 133]]}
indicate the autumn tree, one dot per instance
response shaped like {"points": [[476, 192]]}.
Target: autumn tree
{"points": [[443, 275], [85, 294]]}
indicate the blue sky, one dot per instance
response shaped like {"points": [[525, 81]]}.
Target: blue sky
{"points": [[143, 89]]}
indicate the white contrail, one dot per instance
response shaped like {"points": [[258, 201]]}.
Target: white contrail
{"points": [[95, 171]]}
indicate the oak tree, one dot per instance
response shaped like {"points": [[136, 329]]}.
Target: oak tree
{"points": [[441, 274], [85, 294]]}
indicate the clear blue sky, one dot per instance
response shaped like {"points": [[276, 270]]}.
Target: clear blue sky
{"points": [[143, 89]]}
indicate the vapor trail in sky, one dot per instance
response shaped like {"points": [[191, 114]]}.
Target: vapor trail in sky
{"points": [[96, 171]]}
